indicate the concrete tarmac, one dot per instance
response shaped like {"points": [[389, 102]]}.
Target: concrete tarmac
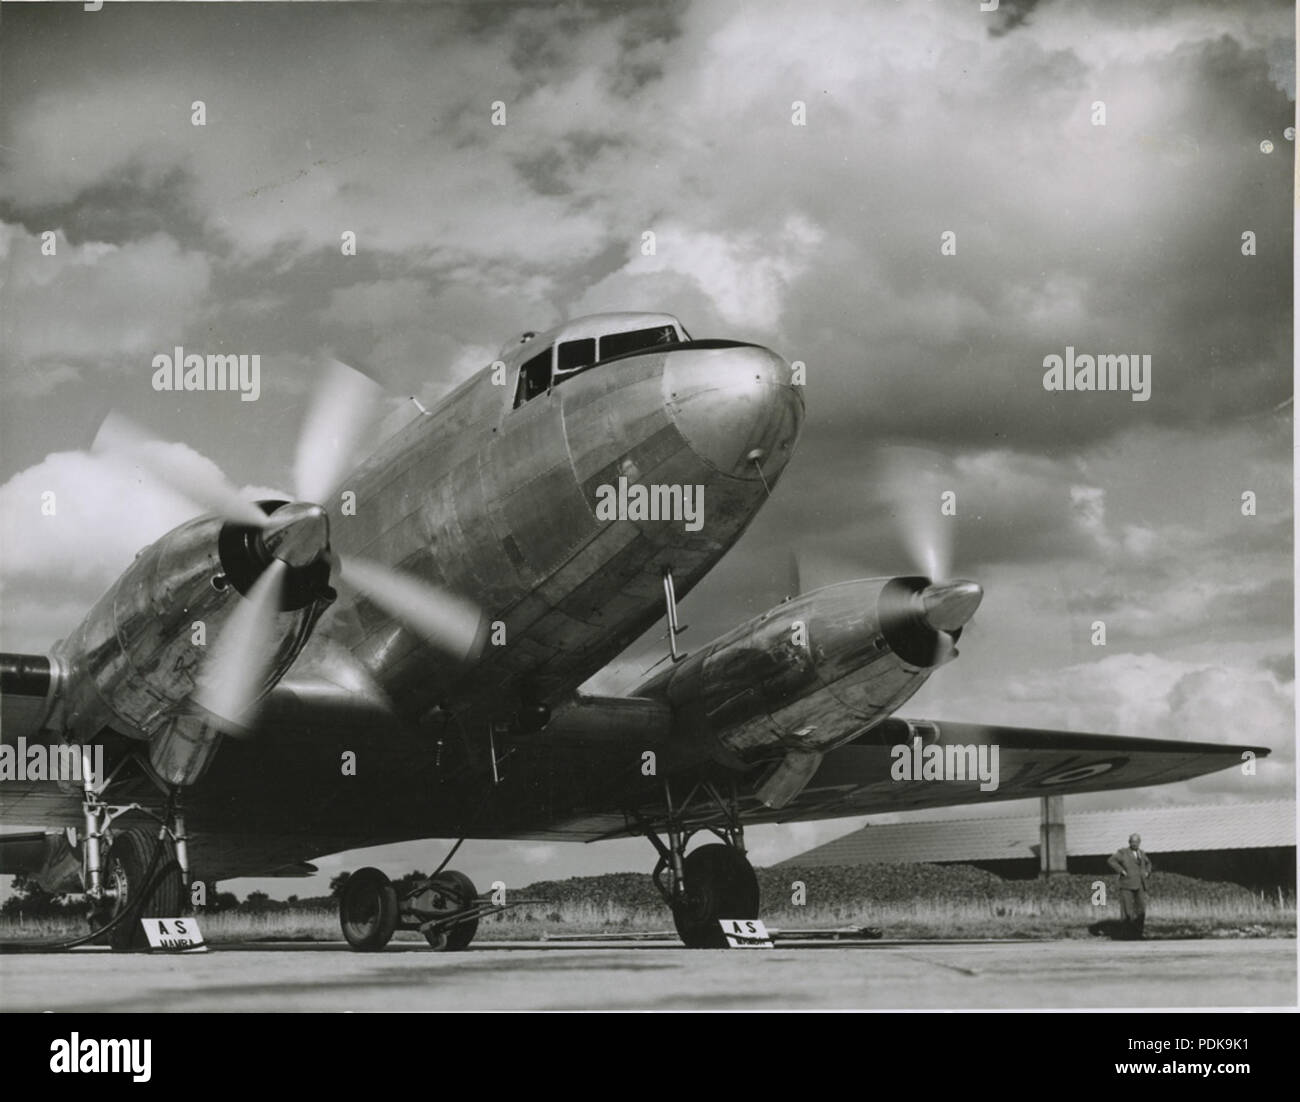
{"points": [[873, 975]]}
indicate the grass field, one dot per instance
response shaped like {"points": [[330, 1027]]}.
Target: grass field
{"points": [[898, 900], [912, 901]]}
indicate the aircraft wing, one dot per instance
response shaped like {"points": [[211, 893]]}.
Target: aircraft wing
{"points": [[858, 779]]}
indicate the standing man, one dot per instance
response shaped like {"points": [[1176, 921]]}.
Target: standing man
{"points": [[1134, 869]]}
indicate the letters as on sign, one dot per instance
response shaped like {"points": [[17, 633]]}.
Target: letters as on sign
{"points": [[174, 934], [745, 933]]}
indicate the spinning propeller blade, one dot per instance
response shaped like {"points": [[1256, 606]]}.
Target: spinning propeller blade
{"points": [[127, 444], [236, 668], [340, 413], [446, 622]]}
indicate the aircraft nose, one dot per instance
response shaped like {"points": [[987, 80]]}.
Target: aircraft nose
{"points": [[735, 407]]}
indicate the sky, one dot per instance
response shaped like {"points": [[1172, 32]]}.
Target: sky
{"points": [[920, 118]]}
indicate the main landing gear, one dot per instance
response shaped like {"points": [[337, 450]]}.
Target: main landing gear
{"points": [[445, 908], [131, 873], [712, 882]]}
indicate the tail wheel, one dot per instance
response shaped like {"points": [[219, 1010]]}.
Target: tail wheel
{"points": [[720, 883], [458, 892], [124, 878], [368, 910]]}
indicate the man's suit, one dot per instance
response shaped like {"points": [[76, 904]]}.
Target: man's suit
{"points": [[1134, 869]]}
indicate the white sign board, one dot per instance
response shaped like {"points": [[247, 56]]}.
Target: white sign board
{"points": [[174, 934], [745, 933]]}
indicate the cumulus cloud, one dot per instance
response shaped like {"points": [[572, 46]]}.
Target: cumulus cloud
{"points": [[1153, 696], [741, 280], [92, 305], [72, 523], [823, 237]]}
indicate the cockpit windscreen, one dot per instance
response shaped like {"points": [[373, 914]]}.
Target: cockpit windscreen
{"points": [[619, 344]]}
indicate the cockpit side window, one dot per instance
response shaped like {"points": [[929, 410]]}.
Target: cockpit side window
{"points": [[573, 356], [619, 344], [534, 378]]}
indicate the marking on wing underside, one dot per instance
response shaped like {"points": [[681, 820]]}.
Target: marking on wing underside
{"points": [[1082, 772]]}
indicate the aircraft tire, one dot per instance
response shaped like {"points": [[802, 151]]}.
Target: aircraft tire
{"points": [[720, 883], [368, 910], [458, 937], [125, 866]]}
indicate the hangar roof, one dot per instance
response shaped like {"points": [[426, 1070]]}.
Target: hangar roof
{"points": [[1087, 833]]}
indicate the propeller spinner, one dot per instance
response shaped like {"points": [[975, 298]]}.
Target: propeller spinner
{"points": [[947, 606]]}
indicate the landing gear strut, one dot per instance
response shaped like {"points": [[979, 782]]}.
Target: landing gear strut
{"points": [[713, 882], [129, 873]]}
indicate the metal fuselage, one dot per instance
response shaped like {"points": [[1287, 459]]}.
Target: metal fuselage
{"points": [[500, 504]]}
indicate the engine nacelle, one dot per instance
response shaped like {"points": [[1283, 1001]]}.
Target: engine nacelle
{"points": [[133, 662], [815, 672]]}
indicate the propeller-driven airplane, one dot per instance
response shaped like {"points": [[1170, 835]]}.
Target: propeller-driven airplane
{"points": [[489, 559]]}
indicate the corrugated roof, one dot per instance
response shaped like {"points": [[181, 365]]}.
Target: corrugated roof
{"points": [[1087, 833]]}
